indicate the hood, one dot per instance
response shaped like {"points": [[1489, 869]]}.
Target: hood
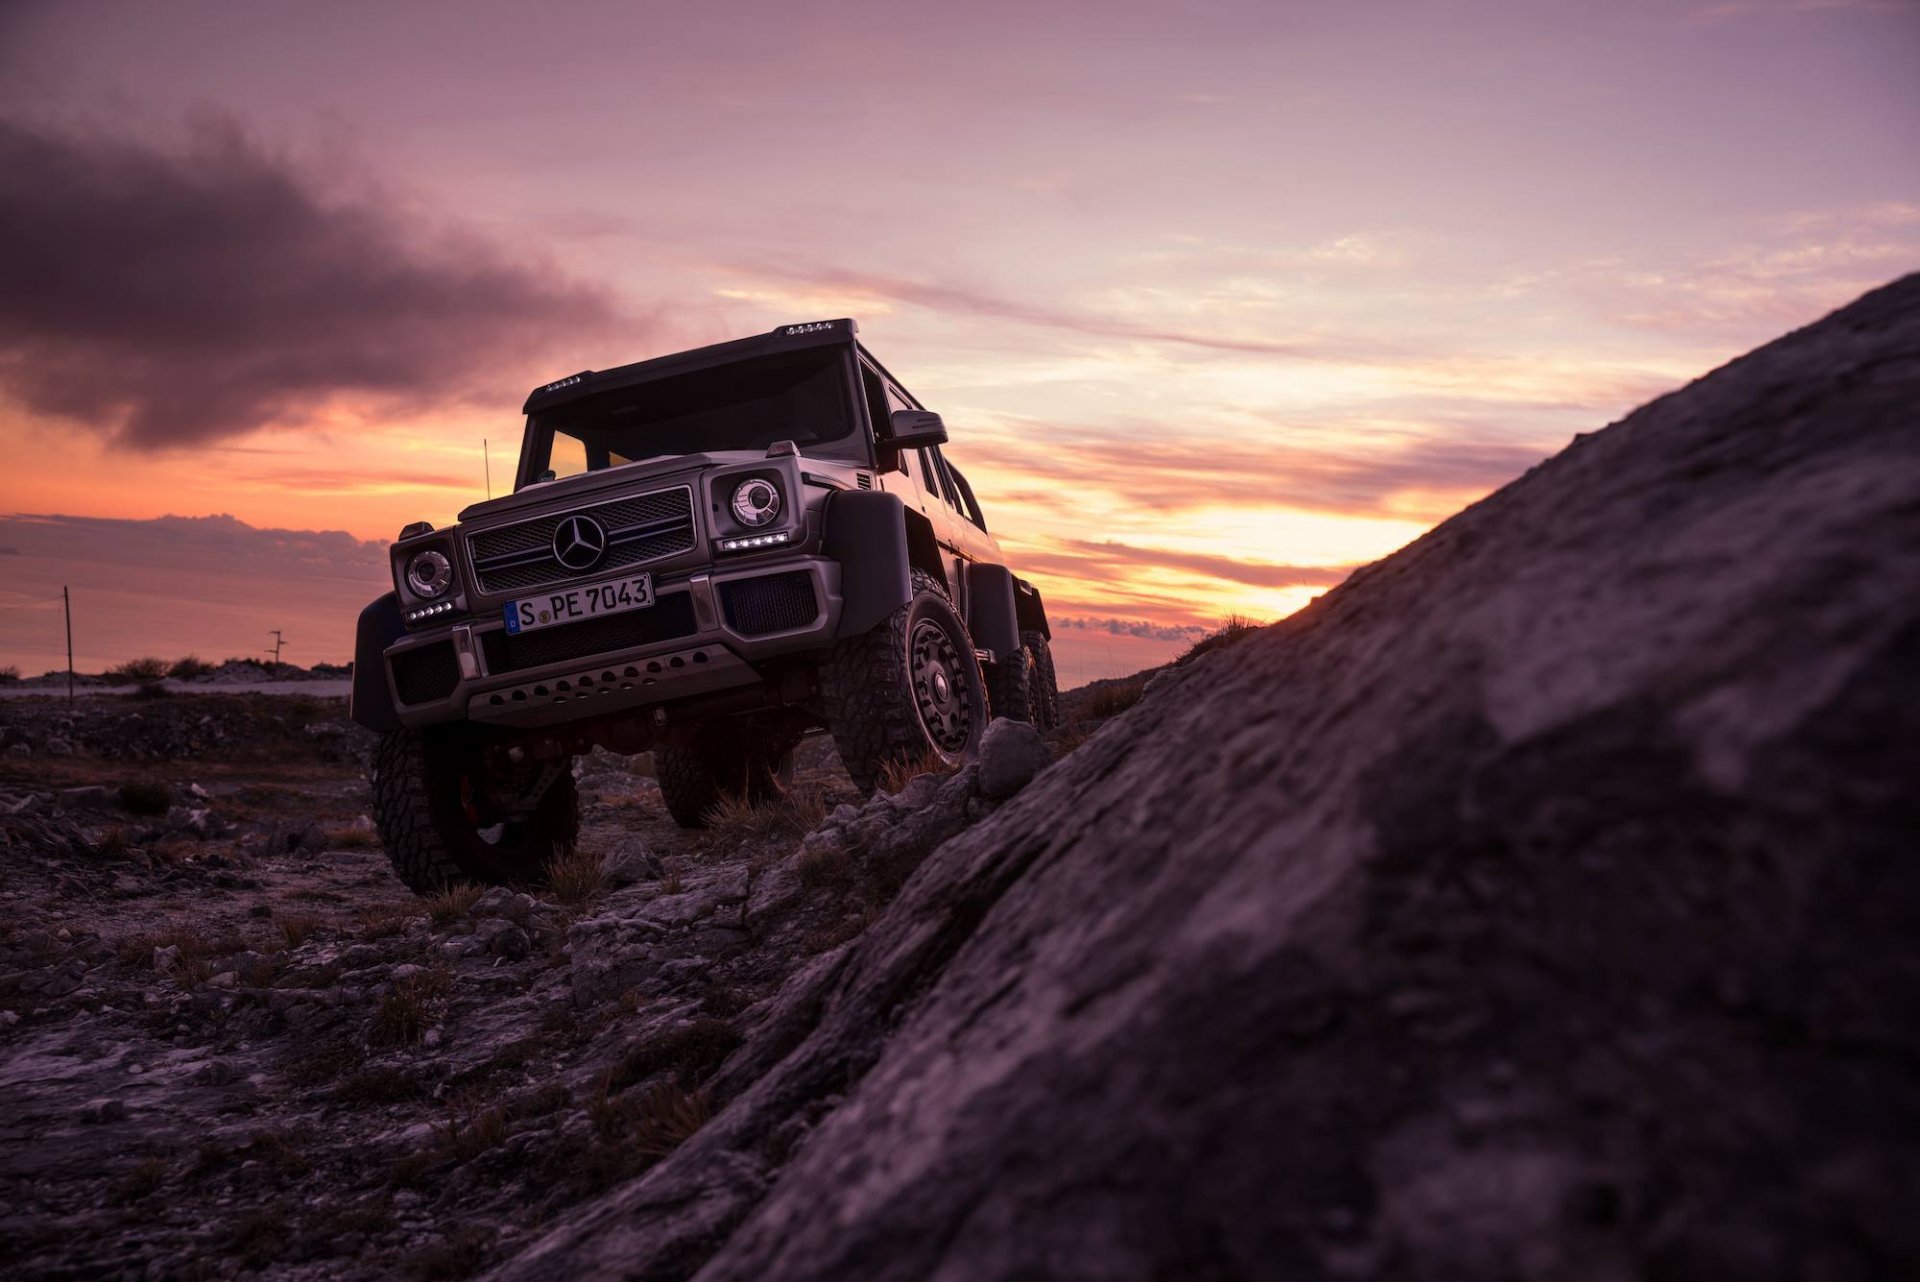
{"points": [[572, 489]]}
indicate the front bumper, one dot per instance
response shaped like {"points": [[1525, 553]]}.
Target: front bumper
{"points": [[705, 632]]}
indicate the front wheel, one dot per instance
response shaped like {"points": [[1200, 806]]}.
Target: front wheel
{"points": [[908, 689], [451, 808]]}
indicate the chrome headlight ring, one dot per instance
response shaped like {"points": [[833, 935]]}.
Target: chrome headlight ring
{"points": [[756, 502], [429, 574]]}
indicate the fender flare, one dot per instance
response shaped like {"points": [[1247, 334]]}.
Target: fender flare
{"points": [[992, 618], [1032, 611], [866, 532], [371, 702]]}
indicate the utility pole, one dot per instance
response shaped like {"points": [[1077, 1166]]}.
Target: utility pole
{"points": [[278, 641], [66, 602], [486, 460]]}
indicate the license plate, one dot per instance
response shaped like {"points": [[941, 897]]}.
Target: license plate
{"points": [[571, 605]]}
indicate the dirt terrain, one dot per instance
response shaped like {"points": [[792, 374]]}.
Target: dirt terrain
{"points": [[231, 1041]]}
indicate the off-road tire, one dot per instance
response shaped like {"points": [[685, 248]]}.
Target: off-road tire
{"points": [[694, 779], [868, 695], [1010, 687], [1043, 685], [431, 842]]}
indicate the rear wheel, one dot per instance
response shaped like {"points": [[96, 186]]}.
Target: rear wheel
{"points": [[1010, 686], [1043, 685], [906, 689], [451, 807], [720, 763]]}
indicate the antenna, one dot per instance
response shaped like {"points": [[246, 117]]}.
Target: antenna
{"points": [[487, 460], [278, 641]]}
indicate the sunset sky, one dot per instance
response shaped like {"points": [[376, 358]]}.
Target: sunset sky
{"points": [[1218, 300]]}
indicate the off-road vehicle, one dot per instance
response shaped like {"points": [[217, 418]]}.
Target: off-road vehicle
{"points": [[709, 556]]}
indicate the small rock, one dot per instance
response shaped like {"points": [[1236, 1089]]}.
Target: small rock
{"points": [[1011, 754], [431, 1038], [59, 748], [20, 752], [166, 959], [8, 1018], [103, 1110], [919, 791], [629, 862], [360, 956], [511, 943]]}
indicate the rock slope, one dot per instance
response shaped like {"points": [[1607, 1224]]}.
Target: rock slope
{"points": [[1540, 903]]}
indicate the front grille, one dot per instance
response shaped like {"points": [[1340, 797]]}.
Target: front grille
{"points": [[427, 673], [517, 557], [669, 617], [774, 603]]}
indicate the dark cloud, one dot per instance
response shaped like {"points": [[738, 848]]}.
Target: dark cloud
{"points": [[1132, 628], [173, 298]]}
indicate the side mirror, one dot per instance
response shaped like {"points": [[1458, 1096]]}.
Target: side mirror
{"points": [[915, 429]]}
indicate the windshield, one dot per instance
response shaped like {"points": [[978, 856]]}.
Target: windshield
{"points": [[744, 405]]}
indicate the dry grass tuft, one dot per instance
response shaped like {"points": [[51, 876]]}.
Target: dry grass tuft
{"points": [[896, 774], [145, 669], [137, 949], [143, 1179], [667, 1117], [1236, 628], [405, 1014], [690, 1051], [792, 813], [298, 928], [1112, 700], [575, 878], [384, 920], [451, 904], [471, 1128], [348, 837], [826, 867]]}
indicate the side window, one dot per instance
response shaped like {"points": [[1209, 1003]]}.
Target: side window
{"points": [[930, 473], [876, 399], [948, 490], [968, 506]]}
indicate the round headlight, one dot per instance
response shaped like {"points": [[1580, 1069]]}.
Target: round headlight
{"points": [[429, 573], [756, 502]]}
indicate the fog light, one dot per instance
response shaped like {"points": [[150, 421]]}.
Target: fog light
{"points": [[756, 541]]}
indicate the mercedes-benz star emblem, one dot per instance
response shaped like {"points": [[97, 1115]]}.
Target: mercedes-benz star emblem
{"points": [[579, 543]]}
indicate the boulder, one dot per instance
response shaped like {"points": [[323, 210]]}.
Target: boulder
{"points": [[1011, 754], [1539, 903]]}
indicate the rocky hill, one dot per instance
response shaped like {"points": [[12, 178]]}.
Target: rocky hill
{"points": [[1537, 904], [1540, 903]]}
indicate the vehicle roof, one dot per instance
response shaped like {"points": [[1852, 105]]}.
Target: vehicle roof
{"points": [[783, 338]]}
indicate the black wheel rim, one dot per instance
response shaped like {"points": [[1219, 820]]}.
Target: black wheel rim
{"points": [[941, 688]]}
